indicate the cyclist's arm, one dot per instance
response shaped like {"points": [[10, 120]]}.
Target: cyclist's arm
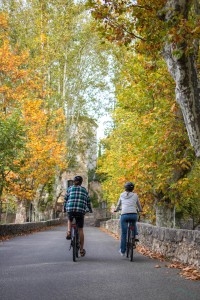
{"points": [[139, 206], [118, 205], [89, 204], [66, 198]]}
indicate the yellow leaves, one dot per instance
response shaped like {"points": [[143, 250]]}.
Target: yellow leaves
{"points": [[147, 142], [45, 151], [14, 85], [173, 108], [10, 61], [3, 20], [43, 38], [3, 25], [185, 164]]}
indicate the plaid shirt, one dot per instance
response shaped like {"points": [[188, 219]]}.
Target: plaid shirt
{"points": [[77, 199]]}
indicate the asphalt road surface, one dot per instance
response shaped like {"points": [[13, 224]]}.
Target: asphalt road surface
{"points": [[39, 266]]}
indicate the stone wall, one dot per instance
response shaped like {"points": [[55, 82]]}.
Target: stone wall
{"points": [[100, 214], [15, 229], [176, 244]]}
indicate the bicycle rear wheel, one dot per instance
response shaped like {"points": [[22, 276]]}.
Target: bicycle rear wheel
{"points": [[77, 244], [74, 244], [132, 245], [74, 248], [128, 242]]}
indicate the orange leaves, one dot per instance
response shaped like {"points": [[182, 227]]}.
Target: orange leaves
{"points": [[3, 25], [189, 272], [3, 21], [44, 153], [10, 61], [24, 92], [45, 149], [13, 76]]}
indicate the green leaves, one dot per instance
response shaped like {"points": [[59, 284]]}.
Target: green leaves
{"points": [[12, 140], [149, 143]]}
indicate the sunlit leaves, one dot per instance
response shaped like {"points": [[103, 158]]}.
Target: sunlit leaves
{"points": [[32, 131], [129, 22], [149, 143]]}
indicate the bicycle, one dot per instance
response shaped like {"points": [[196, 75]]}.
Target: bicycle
{"points": [[75, 240], [130, 241]]}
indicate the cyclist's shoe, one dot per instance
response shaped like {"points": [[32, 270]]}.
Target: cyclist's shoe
{"points": [[122, 254], [68, 237], [136, 238], [82, 253]]}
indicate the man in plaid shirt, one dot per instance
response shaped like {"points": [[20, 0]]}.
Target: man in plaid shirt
{"points": [[77, 202]]}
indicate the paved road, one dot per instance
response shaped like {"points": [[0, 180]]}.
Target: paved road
{"points": [[39, 267]]}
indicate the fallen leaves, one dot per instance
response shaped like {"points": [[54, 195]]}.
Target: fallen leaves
{"points": [[188, 272], [157, 266], [4, 238], [151, 254]]}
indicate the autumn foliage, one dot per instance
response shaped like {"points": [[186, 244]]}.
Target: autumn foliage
{"points": [[149, 143], [34, 150]]}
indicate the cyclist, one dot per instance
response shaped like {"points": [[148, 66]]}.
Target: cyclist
{"points": [[77, 202], [129, 204]]}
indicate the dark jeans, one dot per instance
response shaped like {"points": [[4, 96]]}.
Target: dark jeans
{"points": [[124, 226]]}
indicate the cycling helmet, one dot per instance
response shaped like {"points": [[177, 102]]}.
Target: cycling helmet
{"points": [[129, 186], [78, 179]]}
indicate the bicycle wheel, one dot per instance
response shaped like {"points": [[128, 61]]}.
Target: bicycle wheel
{"points": [[74, 244], [128, 242], [77, 244], [132, 244], [74, 248]]}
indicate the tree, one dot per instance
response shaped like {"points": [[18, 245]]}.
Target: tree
{"points": [[66, 65], [12, 141], [65, 49], [13, 89], [154, 26], [148, 142], [32, 138]]}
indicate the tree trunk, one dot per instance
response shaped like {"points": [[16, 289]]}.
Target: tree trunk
{"points": [[183, 69], [21, 213], [184, 73]]}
